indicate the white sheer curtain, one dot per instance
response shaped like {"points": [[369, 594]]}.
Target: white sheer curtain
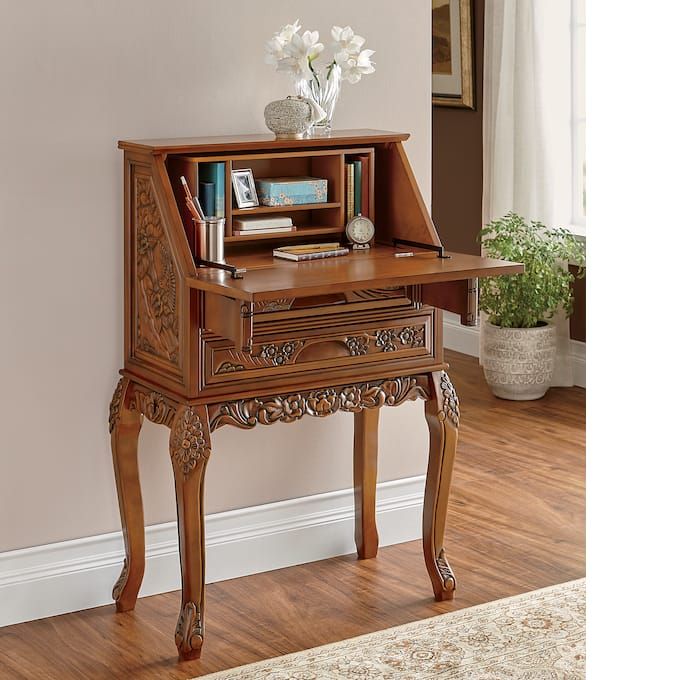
{"points": [[526, 116]]}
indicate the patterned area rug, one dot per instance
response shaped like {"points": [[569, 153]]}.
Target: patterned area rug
{"points": [[534, 636]]}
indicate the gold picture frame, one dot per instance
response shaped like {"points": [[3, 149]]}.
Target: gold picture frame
{"points": [[453, 82]]}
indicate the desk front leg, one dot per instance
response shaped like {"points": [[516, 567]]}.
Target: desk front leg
{"points": [[442, 415], [365, 481], [124, 425], [190, 450]]}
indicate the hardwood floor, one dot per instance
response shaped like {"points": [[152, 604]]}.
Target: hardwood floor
{"points": [[516, 523]]}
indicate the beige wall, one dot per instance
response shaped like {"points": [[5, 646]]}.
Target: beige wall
{"points": [[76, 76]]}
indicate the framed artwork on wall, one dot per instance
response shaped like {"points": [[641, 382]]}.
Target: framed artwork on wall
{"points": [[452, 54]]}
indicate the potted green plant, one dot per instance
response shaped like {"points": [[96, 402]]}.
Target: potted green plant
{"points": [[519, 341]]}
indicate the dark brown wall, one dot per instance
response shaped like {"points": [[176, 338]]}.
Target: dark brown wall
{"points": [[457, 174], [457, 161]]}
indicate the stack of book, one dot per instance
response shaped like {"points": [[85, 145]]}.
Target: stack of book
{"points": [[311, 251], [356, 186], [245, 226]]}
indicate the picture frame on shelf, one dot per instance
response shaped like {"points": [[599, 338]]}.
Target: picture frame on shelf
{"points": [[245, 192], [453, 75]]}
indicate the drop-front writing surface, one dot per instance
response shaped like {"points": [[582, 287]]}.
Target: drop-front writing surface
{"points": [[286, 341]]}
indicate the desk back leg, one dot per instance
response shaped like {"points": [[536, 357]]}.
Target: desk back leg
{"points": [[441, 413], [365, 480], [190, 450], [124, 426]]}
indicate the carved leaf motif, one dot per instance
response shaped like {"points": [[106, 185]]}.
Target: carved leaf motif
{"points": [[156, 289], [189, 631], [450, 406], [114, 406], [247, 413], [445, 571], [153, 405], [188, 443], [122, 580]]}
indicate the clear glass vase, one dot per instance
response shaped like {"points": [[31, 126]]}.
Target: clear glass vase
{"points": [[324, 89]]}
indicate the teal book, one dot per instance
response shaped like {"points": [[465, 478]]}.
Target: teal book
{"points": [[213, 173], [357, 186]]}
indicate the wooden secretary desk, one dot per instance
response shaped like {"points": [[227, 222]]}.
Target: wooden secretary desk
{"points": [[288, 339]]}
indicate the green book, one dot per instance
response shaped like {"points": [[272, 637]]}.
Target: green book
{"points": [[357, 186], [214, 173]]}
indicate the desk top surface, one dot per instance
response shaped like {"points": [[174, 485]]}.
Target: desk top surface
{"points": [[269, 278], [253, 142]]}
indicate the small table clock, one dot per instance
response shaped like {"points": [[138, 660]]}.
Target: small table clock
{"points": [[360, 231]]}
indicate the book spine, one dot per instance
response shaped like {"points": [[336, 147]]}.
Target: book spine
{"points": [[214, 173], [270, 230], [220, 194], [365, 186], [321, 255], [349, 169], [262, 223], [206, 196], [357, 186]]}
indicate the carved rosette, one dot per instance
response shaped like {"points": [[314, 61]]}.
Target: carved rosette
{"points": [[385, 339], [189, 631], [156, 285], [445, 571], [450, 406], [122, 580], [114, 406], [188, 443], [357, 345], [246, 413], [278, 355]]}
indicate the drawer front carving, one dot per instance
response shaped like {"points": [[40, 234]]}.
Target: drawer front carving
{"points": [[319, 348]]}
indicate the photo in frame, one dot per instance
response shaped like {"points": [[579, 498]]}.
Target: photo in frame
{"points": [[244, 188], [452, 54]]}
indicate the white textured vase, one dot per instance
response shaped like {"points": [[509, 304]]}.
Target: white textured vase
{"points": [[518, 362]]}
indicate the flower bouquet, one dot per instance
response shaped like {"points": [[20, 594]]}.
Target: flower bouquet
{"points": [[296, 53]]}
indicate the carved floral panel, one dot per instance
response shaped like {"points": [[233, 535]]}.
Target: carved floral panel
{"points": [[157, 279]]}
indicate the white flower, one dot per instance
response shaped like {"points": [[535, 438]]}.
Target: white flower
{"points": [[274, 48], [299, 52], [354, 65], [344, 39]]}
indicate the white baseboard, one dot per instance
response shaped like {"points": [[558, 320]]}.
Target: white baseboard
{"points": [[72, 575], [465, 339]]}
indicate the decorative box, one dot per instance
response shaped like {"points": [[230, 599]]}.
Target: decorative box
{"points": [[291, 190]]}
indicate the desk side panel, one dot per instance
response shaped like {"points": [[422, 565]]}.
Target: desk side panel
{"points": [[157, 304]]}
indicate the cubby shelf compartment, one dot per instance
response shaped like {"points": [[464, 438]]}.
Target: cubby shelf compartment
{"points": [[263, 209], [301, 232]]}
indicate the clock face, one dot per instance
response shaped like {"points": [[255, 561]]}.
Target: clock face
{"points": [[360, 230]]}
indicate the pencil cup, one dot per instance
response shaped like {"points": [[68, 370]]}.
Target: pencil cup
{"points": [[210, 239]]}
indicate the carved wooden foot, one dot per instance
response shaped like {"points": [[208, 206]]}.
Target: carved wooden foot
{"points": [[124, 426], [365, 480], [442, 415], [190, 450]]}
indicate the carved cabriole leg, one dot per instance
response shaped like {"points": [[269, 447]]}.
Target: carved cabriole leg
{"points": [[441, 413], [190, 450], [124, 426], [365, 479]]}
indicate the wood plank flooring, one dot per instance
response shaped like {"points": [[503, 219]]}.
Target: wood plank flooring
{"points": [[516, 523]]}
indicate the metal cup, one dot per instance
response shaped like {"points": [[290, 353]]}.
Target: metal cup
{"points": [[210, 239]]}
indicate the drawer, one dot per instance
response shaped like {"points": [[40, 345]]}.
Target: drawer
{"points": [[245, 324], [353, 339]]}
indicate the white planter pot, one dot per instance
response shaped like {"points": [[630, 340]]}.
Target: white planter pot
{"points": [[518, 362]]}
